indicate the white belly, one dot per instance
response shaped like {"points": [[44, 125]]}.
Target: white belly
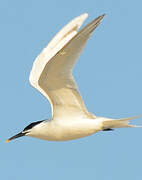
{"points": [[67, 130]]}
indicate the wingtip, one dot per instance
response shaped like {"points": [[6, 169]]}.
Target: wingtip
{"points": [[85, 15], [102, 16]]}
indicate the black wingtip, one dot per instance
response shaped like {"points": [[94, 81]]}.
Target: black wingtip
{"points": [[102, 16]]}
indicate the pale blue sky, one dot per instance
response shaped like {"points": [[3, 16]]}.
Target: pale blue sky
{"points": [[109, 76]]}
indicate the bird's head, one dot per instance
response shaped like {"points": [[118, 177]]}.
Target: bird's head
{"points": [[26, 131]]}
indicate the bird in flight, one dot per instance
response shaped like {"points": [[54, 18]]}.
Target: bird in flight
{"points": [[51, 74]]}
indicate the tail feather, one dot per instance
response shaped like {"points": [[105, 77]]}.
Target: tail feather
{"points": [[120, 123], [131, 118], [134, 126]]}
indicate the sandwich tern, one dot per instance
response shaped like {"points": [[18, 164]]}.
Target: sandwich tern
{"points": [[51, 74]]}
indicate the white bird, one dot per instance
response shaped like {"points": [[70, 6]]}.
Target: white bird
{"points": [[51, 74]]}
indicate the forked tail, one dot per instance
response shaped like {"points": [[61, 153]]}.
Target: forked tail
{"points": [[119, 123]]}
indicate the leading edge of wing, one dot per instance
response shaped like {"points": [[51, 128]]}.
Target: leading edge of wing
{"points": [[54, 46]]}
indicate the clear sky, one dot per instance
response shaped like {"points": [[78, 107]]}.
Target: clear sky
{"points": [[109, 75]]}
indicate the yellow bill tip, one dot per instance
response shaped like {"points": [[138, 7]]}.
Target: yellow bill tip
{"points": [[7, 140]]}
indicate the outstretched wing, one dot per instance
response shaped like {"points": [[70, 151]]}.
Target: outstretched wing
{"points": [[51, 73]]}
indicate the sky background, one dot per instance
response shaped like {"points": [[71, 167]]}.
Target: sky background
{"points": [[109, 76]]}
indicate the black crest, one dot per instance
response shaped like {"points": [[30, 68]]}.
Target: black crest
{"points": [[30, 126]]}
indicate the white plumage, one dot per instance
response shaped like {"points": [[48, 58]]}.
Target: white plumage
{"points": [[51, 74]]}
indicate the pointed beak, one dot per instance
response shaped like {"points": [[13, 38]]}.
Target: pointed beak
{"points": [[16, 136]]}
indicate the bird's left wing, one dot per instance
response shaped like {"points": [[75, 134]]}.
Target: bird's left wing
{"points": [[52, 70]]}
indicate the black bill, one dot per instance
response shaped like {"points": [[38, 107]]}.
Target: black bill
{"points": [[16, 136]]}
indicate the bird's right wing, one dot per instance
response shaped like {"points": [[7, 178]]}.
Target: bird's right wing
{"points": [[55, 79]]}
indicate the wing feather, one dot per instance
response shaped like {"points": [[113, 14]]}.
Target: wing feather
{"points": [[52, 70]]}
